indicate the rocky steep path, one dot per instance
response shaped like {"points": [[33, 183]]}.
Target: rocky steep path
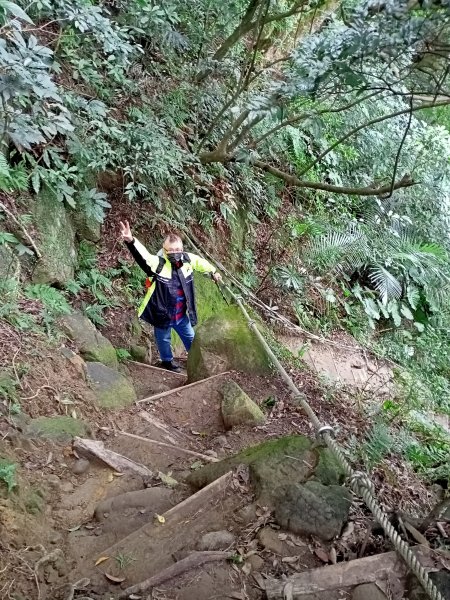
{"points": [[187, 489]]}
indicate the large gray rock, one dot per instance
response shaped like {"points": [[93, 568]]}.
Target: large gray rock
{"points": [[225, 342], [56, 241], [91, 343], [238, 408], [290, 459], [294, 477], [110, 388], [61, 428], [312, 508], [216, 540]]}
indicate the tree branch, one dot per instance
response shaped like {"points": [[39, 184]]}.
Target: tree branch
{"points": [[284, 15], [406, 181], [352, 132], [305, 115], [22, 228], [400, 148]]}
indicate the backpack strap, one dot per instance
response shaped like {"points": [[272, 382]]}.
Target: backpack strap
{"points": [[162, 262], [159, 268]]}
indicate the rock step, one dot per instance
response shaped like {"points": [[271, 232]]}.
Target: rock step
{"points": [[153, 546]]}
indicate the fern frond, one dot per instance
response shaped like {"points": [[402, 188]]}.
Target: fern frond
{"points": [[385, 283]]}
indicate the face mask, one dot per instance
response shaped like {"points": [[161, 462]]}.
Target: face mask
{"points": [[175, 257]]}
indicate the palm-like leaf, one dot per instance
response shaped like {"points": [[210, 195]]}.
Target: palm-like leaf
{"points": [[385, 283]]}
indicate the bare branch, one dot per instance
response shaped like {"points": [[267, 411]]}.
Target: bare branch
{"points": [[336, 189], [352, 132], [399, 151]]}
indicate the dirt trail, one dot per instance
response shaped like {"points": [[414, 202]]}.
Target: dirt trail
{"points": [[117, 530]]}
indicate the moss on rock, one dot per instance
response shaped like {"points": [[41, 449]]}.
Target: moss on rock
{"points": [[9, 266], [267, 461], [56, 428], [225, 342], [111, 389], [55, 239], [91, 343], [238, 408]]}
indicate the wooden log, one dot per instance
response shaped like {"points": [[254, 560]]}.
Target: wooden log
{"points": [[179, 389], [194, 560], [170, 434], [158, 369], [154, 544], [118, 462], [171, 446], [343, 575]]}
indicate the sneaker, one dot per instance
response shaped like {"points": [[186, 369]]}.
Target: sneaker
{"points": [[170, 365]]}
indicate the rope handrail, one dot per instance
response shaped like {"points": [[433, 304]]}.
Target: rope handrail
{"points": [[358, 481]]}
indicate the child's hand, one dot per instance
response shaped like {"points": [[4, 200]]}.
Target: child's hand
{"points": [[125, 231]]}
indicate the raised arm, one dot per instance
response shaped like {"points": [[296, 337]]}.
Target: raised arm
{"points": [[146, 261]]}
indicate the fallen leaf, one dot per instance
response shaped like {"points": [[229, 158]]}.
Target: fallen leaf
{"points": [[288, 591], [160, 518], [196, 465], [348, 530], [259, 580], [89, 527], [290, 559], [74, 528], [320, 553], [101, 559], [114, 579], [117, 474], [167, 480], [81, 584]]}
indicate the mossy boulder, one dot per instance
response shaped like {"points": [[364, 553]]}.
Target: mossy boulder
{"points": [[292, 459], [140, 353], [56, 241], [91, 343], [61, 428], [111, 389], [225, 342], [313, 509], [289, 475], [238, 408], [9, 266], [86, 227]]}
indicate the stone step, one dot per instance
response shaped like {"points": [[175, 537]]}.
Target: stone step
{"points": [[152, 548]]}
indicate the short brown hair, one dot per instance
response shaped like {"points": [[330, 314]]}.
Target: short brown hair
{"points": [[173, 237]]}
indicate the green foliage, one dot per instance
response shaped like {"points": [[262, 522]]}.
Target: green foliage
{"points": [[122, 354], [8, 474]]}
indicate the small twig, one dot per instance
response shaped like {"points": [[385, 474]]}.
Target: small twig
{"points": [[441, 530], [42, 387], [194, 560], [179, 389], [24, 231], [171, 446]]}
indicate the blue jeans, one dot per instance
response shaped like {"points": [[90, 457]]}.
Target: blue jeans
{"points": [[163, 337]]}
